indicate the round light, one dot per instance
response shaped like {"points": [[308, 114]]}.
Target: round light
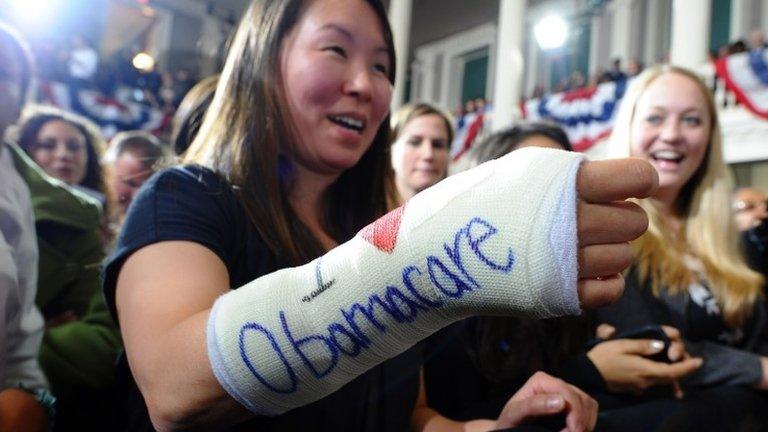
{"points": [[143, 62], [551, 32]]}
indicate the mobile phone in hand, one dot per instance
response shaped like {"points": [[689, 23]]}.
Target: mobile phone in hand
{"points": [[651, 332]]}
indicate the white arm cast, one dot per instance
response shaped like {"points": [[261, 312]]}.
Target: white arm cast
{"points": [[498, 239]]}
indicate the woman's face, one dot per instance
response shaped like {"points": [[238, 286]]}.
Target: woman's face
{"points": [[420, 154], [60, 150], [334, 69], [671, 130]]}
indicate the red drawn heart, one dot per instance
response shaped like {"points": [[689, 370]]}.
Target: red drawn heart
{"points": [[382, 233]]}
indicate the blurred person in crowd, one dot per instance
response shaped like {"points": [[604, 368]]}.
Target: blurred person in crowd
{"points": [[615, 73], [738, 47], [751, 214], [577, 80], [634, 67], [134, 157], [167, 95], [189, 115], [82, 61], [480, 105], [528, 134], [70, 148], [23, 387], [422, 135], [80, 343], [292, 159], [751, 207], [66, 146], [688, 271], [757, 40], [723, 51], [183, 81]]}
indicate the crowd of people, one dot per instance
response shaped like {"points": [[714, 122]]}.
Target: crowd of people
{"points": [[296, 257]]}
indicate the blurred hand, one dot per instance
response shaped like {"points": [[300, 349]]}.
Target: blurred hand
{"points": [[606, 223], [20, 412], [625, 368], [763, 383], [544, 395]]}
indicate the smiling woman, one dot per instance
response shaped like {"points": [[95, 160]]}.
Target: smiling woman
{"points": [[688, 270], [224, 313]]}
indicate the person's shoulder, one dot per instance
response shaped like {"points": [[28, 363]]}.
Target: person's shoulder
{"points": [[53, 200], [189, 178]]}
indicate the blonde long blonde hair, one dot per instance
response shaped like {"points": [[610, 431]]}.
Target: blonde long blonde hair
{"points": [[708, 232]]}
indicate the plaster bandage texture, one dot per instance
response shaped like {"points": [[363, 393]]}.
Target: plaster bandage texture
{"points": [[498, 239]]}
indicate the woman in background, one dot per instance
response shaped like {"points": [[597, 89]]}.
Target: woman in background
{"points": [[134, 157], [422, 135], [66, 146], [688, 271]]}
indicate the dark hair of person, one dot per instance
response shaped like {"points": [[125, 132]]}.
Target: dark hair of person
{"points": [[246, 136], [149, 151], [35, 117], [507, 140], [189, 115], [10, 39], [507, 349]]}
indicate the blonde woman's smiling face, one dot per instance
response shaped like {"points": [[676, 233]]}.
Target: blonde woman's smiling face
{"points": [[671, 129]]}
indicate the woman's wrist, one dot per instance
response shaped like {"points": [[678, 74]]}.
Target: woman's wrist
{"points": [[480, 425], [762, 384]]}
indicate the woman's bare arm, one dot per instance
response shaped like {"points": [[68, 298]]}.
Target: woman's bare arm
{"points": [[164, 294]]}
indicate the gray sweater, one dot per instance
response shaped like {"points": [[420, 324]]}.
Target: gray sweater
{"points": [[723, 364]]}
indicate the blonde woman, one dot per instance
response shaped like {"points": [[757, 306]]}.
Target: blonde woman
{"points": [[688, 272]]}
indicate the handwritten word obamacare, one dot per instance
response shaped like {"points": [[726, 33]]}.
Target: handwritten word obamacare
{"points": [[401, 304]]}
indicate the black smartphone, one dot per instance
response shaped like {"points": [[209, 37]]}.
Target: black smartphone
{"points": [[650, 331]]}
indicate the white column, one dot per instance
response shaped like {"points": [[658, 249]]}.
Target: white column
{"points": [[509, 62], [400, 19], [595, 36], [653, 21], [532, 75], [690, 33], [160, 37], [621, 35], [212, 38], [740, 10], [764, 18]]}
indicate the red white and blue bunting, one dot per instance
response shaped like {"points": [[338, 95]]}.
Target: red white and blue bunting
{"points": [[746, 75], [586, 115], [110, 114]]}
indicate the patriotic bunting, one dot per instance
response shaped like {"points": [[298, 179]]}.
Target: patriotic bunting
{"points": [[586, 115], [109, 114], [746, 75]]}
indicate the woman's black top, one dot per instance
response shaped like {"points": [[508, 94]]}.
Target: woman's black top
{"points": [[195, 204]]}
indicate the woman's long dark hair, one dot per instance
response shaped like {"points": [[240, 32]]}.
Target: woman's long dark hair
{"points": [[246, 133]]}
